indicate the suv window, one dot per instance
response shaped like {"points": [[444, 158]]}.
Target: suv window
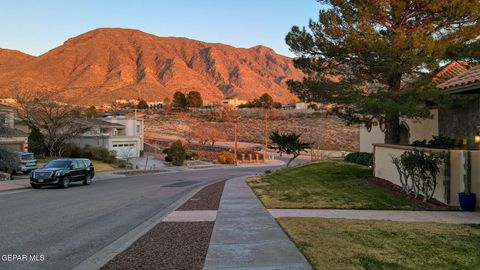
{"points": [[77, 164], [87, 162]]}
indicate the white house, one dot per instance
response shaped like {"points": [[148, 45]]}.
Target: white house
{"points": [[10, 136], [116, 133]]}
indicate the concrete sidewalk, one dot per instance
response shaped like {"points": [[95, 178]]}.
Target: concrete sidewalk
{"points": [[246, 236], [455, 217]]}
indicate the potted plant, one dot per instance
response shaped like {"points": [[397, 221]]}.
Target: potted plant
{"points": [[467, 199]]}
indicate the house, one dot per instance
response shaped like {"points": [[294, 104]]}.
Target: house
{"points": [[235, 102], [460, 122], [423, 129], [155, 105], [116, 133], [11, 137]]}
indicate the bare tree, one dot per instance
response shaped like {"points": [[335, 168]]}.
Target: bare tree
{"points": [[58, 122]]}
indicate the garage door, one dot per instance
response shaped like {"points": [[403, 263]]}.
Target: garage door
{"points": [[125, 150], [12, 146]]}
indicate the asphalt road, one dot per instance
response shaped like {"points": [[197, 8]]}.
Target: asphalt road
{"points": [[55, 228]]}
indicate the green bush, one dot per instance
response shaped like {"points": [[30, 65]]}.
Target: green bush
{"points": [[438, 142], [362, 158], [92, 152], [226, 158], [192, 155], [176, 154]]}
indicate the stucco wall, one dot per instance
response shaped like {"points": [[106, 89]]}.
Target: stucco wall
{"points": [[461, 122], [420, 129], [385, 169]]}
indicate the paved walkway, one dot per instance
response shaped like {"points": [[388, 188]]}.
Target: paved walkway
{"points": [[456, 217], [246, 236]]}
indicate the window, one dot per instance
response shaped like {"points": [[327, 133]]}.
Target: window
{"points": [[86, 163], [138, 129], [77, 164]]}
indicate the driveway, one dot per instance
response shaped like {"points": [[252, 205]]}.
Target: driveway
{"points": [[54, 228]]}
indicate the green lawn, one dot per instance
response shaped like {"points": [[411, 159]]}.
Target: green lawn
{"points": [[325, 184], [355, 244]]}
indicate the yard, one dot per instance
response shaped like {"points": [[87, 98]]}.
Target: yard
{"points": [[334, 184], [355, 244]]}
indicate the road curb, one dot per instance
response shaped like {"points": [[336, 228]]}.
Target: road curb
{"points": [[107, 253]]}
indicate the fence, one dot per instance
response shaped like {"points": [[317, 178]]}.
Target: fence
{"points": [[449, 183]]}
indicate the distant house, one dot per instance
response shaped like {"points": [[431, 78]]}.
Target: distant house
{"points": [[155, 105], [302, 106], [11, 137], [116, 133], [235, 102]]}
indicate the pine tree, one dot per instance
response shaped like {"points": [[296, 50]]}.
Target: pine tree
{"points": [[373, 57]]}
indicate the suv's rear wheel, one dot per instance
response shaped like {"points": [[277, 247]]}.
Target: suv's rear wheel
{"points": [[88, 179], [65, 181]]}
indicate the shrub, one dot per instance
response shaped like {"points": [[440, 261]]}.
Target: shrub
{"points": [[122, 163], [418, 172], [442, 142], [362, 158], [72, 150], [226, 158], [192, 155], [438, 142], [176, 153]]}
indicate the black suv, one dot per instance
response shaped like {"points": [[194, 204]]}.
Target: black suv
{"points": [[62, 172]]}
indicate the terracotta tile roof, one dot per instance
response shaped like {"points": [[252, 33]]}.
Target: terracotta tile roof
{"points": [[468, 80], [449, 71]]}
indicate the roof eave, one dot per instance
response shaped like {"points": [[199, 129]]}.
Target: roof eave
{"points": [[473, 88]]}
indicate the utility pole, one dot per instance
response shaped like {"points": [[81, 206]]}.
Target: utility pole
{"points": [[235, 147], [265, 152]]}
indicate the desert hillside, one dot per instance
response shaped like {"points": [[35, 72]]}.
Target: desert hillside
{"points": [[111, 63]]}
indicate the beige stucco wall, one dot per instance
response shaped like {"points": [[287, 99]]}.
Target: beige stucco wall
{"points": [[384, 168], [420, 129]]}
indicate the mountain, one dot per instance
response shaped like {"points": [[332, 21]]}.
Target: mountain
{"points": [[111, 63], [11, 59]]}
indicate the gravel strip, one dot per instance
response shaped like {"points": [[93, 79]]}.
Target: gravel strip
{"points": [[169, 245], [207, 198]]}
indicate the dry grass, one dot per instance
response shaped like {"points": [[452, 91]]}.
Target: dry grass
{"points": [[325, 184], [102, 166], [354, 244]]}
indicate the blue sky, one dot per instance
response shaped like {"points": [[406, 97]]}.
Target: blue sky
{"points": [[35, 27]]}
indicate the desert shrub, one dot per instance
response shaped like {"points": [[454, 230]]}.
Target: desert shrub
{"points": [[226, 158], [121, 163], [192, 155], [176, 153], [418, 172], [362, 158]]}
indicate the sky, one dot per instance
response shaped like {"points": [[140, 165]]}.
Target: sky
{"points": [[35, 27]]}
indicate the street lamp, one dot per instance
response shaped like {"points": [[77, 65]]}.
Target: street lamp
{"points": [[477, 135]]}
